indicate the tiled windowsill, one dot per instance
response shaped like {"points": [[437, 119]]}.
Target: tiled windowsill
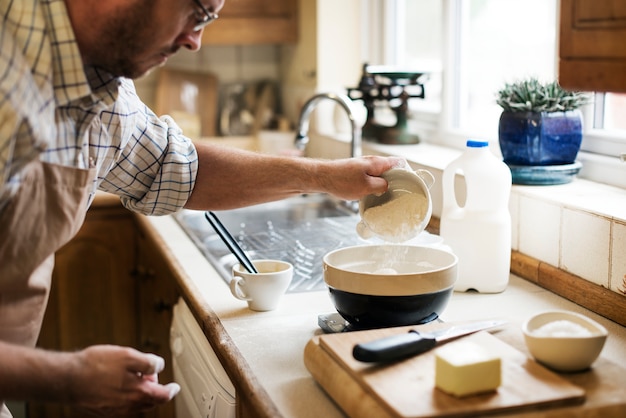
{"points": [[560, 234]]}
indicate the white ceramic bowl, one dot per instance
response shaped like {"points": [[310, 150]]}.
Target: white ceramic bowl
{"points": [[569, 352], [404, 210], [374, 286]]}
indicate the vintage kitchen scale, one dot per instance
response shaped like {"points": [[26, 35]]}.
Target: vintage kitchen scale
{"points": [[384, 88]]}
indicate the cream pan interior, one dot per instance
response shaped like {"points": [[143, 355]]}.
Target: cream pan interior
{"points": [[390, 270]]}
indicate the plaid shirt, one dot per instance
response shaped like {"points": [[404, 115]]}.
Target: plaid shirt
{"points": [[54, 108]]}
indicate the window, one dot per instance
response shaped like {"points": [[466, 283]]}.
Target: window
{"points": [[613, 119], [471, 48]]}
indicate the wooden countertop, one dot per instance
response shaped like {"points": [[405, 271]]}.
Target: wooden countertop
{"points": [[262, 352]]}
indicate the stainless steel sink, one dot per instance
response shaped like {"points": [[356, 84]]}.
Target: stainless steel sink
{"points": [[300, 230]]}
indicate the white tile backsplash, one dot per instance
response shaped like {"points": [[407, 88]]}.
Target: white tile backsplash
{"points": [[618, 258], [261, 62], [585, 243], [229, 63], [539, 229]]}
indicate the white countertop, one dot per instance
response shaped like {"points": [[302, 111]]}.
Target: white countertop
{"points": [[272, 343]]}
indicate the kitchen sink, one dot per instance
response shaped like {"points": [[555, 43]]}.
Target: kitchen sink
{"points": [[300, 230]]}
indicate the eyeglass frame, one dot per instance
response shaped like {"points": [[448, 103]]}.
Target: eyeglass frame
{"points": [[208, 18]]}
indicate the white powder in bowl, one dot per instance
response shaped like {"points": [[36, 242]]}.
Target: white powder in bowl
{"points": [[386, 271], [397, 219], [562, 328]]}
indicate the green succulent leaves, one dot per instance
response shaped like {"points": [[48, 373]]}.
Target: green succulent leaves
{"points": [[533, 96]]}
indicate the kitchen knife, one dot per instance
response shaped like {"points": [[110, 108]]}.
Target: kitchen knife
{"points": [[398, 347]]}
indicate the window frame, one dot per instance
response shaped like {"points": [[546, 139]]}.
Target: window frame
{"points": [[601, 149]]}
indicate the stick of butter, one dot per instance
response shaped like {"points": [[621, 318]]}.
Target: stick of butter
{"points": [[465, 368]]}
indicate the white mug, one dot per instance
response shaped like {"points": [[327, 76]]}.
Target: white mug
{"points": [[262, 290]]}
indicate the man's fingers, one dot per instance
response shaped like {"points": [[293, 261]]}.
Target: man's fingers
{"points": [[174, 388], [146, 363]]}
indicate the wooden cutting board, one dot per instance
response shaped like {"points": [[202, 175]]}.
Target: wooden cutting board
{"points": [[406, 388]]}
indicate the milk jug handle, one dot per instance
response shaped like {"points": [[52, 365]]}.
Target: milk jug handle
{"points": [[447, 183]]}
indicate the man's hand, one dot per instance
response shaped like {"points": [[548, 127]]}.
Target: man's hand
{"points": [[110, 380], [354, 178]]}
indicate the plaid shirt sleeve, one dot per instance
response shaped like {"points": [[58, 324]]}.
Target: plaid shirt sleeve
{"points": [[154, 172]]}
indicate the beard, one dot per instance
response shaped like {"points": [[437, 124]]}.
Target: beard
{"points": [[125, 46]]}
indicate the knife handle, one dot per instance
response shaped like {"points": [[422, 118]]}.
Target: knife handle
{"points": [[393, 348]]}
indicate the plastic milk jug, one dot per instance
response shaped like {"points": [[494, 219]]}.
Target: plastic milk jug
{"points": [[478, 229]]}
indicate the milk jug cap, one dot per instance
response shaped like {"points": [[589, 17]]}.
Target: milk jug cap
{"points": [[472, 143]]}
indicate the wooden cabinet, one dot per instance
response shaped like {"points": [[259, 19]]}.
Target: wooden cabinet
{"points": [[93, 291], [107, 290], [156, 295], [249, 22], [592, 51]]}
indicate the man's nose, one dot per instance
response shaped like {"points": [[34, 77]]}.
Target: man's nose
{"points": [[191, 40]]}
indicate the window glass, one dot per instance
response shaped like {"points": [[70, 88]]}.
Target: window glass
{"points": [[614, 112], [472, 48], [423, 33], [489, 42], [420, 47], [499, 45]]}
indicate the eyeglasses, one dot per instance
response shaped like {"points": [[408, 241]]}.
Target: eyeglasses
{"points": [[203, 17]]}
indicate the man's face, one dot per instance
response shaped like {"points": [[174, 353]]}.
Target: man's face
{"points": [[142, 34]]}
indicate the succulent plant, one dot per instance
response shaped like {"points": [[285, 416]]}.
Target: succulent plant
{"points": [[531, 95]]}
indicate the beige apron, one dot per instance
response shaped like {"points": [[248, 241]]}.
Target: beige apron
{"points": [[45, 214]]}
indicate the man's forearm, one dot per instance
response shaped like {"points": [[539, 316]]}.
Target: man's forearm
{"points": [[29, 373], [229, 178]]}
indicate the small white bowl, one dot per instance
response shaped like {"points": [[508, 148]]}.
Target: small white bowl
{"points": [[570, 352], [409, 219]]}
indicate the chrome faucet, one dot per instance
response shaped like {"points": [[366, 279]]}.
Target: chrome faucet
{"points": [[302, 138]]}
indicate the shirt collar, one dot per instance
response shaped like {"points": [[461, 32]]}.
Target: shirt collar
{"points": [[73, 81]]}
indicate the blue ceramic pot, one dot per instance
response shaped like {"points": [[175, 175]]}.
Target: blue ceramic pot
{"points": [[545, 138]]}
